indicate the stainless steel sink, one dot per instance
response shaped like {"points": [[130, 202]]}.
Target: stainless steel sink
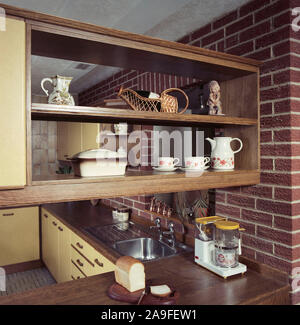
{"points": [[144, 249]]}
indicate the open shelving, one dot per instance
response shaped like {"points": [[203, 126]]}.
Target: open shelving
{"points": [[110, 115], [55, 37]]}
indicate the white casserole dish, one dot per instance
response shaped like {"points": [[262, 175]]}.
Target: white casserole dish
{"points": [[99, 162]]}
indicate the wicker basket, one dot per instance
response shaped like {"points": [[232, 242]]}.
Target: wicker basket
{"points": [[165, 104]]}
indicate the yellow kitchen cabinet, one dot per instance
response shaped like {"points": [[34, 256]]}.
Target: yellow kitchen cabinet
{"points": [[74, 137], [50, 249], [68, 139], [74, 142], [56, 247], [62, 147], [45, 220], [64, 265], [12, 103], [87, 259], [19, 235], [89, 136]]}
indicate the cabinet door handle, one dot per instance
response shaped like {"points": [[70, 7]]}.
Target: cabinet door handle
{"points": [[46, 215], [98, 263], [76, 278], [54, 223], [8, 214], [79, 263], [78, 245], [60, 228]]}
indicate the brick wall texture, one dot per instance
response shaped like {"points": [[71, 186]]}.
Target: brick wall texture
{"points": [[270, 211]]}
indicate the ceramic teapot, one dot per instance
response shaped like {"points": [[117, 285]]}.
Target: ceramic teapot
{"points": [[60, 94], [222, 156]]}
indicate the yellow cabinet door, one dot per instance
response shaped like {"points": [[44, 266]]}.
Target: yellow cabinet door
{"points": [[19, 235], [74, 139], [51, 249], [12, 105], [45, 220], [62, 143], [64, 259], [68, 139], [89, 136]]}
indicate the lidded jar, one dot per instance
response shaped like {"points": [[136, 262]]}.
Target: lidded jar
{"points": [[227, 243]]}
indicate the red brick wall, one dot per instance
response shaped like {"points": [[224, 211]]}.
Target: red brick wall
{"points": [[270, 211]]}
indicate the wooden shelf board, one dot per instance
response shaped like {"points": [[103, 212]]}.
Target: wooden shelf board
{"points": [[65, 189], [110, 115]]}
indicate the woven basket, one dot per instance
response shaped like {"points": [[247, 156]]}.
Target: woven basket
{"points": [[165, 104]]}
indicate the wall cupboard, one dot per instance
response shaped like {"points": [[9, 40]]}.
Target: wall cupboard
{"points": [[12, 98]]}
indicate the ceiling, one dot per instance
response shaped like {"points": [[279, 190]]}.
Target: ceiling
{"points": [[167, 19]]}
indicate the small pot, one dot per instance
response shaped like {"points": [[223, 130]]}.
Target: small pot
{"points": [[99, 162]]}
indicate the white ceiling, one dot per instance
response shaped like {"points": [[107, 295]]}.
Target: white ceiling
{"points": [[167, 19]]}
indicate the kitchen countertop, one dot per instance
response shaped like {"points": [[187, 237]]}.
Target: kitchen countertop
{"points": [[196, 285]]}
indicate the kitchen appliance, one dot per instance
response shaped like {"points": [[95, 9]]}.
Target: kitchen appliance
{"points": [[218, 246], [99, 162], [222, 156]]}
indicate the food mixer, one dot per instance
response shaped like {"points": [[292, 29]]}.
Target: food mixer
{"points": [[218, 246]]}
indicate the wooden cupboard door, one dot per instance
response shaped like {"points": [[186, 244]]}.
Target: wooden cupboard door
{"points": [[64, 258], [19, 235], [89, 136], [74, 138], [12, 98]]}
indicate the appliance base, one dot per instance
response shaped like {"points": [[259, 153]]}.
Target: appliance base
{"points": [[222, 271]]}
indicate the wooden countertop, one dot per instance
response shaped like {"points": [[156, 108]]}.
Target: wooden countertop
{"points": [[197, 286]]}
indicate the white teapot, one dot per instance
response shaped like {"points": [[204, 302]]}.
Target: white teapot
{"points": [[222, 156]]}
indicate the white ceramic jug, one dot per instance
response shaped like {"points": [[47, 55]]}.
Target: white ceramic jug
{"points": [[222, 156], [60, 94]]}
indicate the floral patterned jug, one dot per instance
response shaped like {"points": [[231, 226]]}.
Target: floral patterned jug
{"points": [[60, 94], [222, 156]]}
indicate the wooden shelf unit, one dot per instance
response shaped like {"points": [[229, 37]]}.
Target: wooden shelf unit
{"points": [[56, 37], [63, 188], [109, 115]]}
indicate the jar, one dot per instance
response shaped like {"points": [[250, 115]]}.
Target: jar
{"points": [[123, 214], [206, 227], [227, 241]]}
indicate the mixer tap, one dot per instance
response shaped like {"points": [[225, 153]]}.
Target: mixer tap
{"points": [[158, 227], [171, 234]]}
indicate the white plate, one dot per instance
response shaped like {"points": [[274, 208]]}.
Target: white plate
{"points": [[161, 169], [185, 169]]}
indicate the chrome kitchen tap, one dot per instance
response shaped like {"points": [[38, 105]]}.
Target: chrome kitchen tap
{"points": [[158, 227], [171, 234]]}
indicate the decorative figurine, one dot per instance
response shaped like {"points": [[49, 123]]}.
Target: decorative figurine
{"points": [[214, 102]]}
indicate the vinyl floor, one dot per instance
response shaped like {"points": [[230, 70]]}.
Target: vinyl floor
{"points": [[28, 280]]}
